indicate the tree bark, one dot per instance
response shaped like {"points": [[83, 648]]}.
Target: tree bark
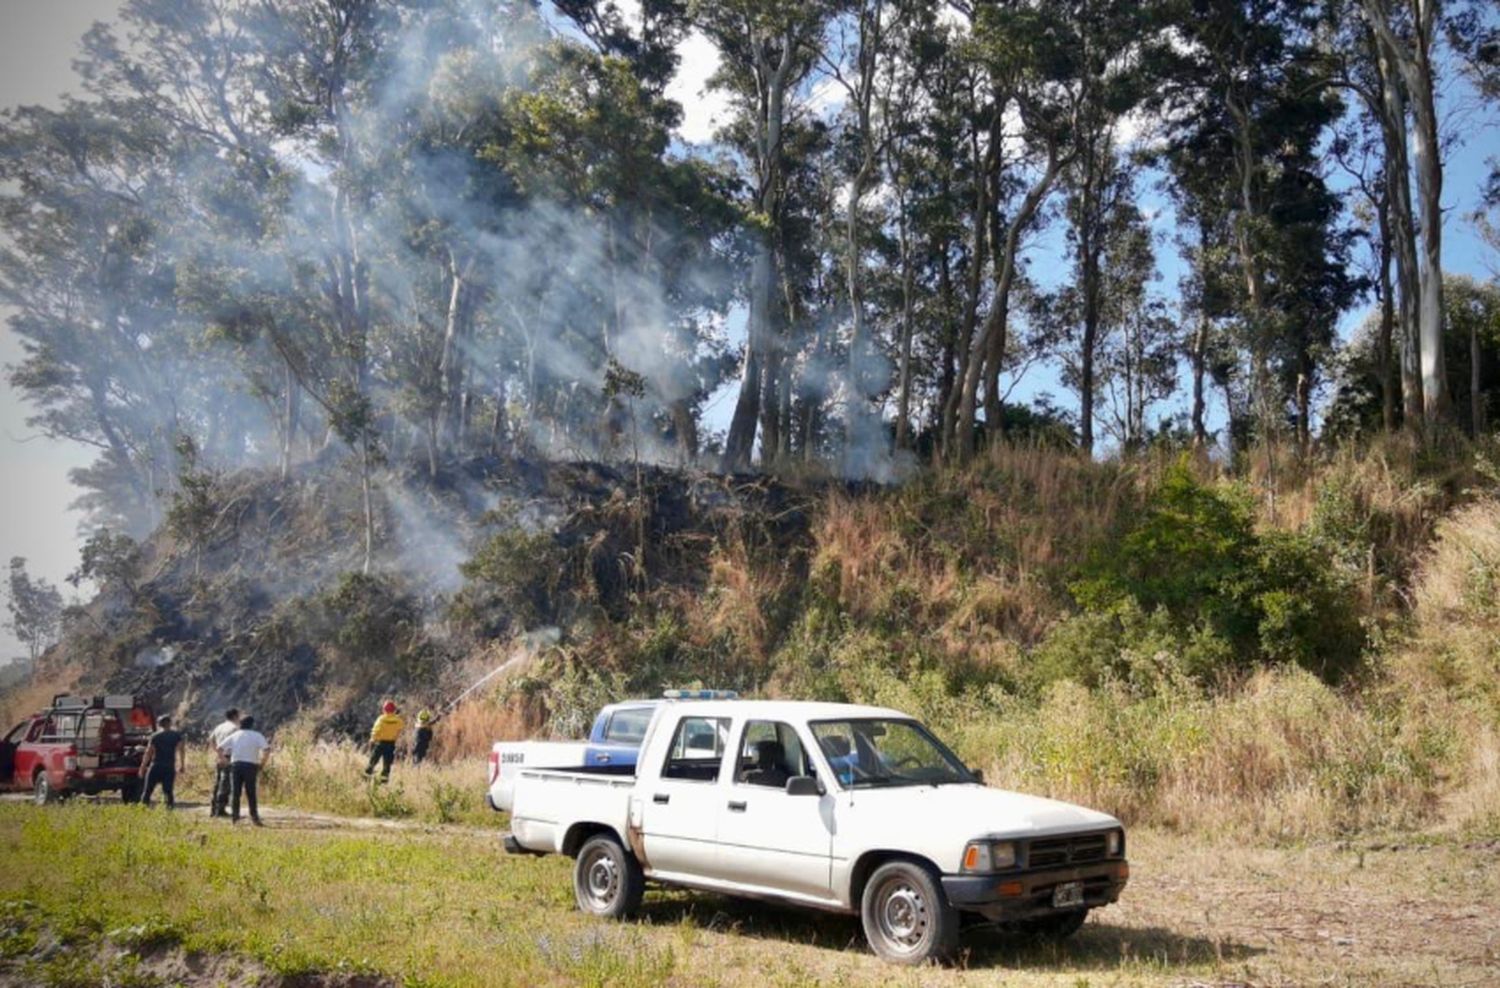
{"points": [[1385, 342], [1411, 59], [1199, 359], [291, 413]]}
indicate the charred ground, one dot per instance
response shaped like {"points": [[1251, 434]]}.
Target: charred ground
{"points": [[269, 608]]}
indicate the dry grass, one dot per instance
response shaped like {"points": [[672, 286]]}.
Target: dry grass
{"points": [[35, 694], [1284, 758], [979, 554], [470, 729]]}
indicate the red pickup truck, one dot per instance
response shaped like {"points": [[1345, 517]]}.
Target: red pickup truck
{"points": [[84, 745]]}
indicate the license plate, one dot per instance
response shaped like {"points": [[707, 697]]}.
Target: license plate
{"points": [[1068, 894]]}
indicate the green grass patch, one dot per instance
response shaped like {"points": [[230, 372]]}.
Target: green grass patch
{"points": [[440, 909]]}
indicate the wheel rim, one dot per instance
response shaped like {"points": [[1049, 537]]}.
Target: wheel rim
{"points": [[901, 915], [601, 879], [42, 789]]}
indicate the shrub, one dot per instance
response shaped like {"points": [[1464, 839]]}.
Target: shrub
{"points": [[512, 582], [1232, 597]]}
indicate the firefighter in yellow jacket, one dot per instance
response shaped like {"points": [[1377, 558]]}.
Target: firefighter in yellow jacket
{"points": [[383, 740]]}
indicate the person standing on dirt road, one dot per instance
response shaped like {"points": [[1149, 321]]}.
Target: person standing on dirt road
{"points": [[423, 740], [223, 777], [164, 758], [246, 749], [383, 735]]}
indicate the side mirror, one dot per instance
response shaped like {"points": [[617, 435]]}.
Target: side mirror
{"points": [[978, 775], [803, 785]]}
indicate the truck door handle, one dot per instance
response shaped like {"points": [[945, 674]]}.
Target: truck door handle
{"points": [[736, 806], [661, 798], [601, 758]]}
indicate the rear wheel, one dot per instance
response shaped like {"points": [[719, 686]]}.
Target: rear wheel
{"points": [[130, 792], [607, 880], [42, 791], [906, 916]]}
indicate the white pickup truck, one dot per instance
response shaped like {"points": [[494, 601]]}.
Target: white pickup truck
{"points": [[848, 808]]}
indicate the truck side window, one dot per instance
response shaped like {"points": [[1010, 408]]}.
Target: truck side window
{"points": [[770, 753], [697, 749], [61, 726], [628, 726], [18, 733]]}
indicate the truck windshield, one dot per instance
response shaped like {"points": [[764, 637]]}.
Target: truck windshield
{"points": [[878, 752]]}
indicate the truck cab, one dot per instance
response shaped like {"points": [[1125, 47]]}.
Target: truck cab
{"points": [[79, 745], [834, 806]]}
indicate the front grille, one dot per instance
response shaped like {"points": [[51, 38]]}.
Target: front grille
{"points": [[1052, 852]]}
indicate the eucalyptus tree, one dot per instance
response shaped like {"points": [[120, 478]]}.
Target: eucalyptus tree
{"points": [[1030, 56], [1114, 52], [1405, 38], [768, 50]]}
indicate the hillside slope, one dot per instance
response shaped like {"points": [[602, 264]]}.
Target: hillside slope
{"points": [[1150, 636]]}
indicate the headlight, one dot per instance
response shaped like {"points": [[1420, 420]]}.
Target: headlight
{"points": [[1115, 843], [985, 856]]}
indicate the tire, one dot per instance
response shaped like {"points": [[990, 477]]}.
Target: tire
{"points": [[906, 915], [1056, 927], [607, 880], [130, 793], [42, 792]]}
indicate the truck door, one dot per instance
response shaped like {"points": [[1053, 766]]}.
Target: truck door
{"points": [[8, 754], [767, 837], [679, 799]]}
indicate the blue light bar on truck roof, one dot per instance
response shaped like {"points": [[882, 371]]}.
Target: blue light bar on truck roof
{"points": [[700, 695]]}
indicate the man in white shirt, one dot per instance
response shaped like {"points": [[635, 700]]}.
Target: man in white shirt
{"points": [[246, 749], [219, 805]]}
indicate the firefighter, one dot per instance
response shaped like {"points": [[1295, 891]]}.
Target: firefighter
{"points": [[425, 720], [383, 735]]}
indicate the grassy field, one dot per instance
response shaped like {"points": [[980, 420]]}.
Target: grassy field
{"points": [[95, 894]]}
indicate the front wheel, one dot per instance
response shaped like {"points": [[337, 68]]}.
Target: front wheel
{"points": [[906, 916], [130, 792], [42, 791], [607, 880]]}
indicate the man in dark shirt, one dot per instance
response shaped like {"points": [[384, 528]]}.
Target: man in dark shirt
{"points": [[164, 757]]}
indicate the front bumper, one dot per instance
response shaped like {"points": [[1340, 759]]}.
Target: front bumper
{"points": [[1020, 895]]}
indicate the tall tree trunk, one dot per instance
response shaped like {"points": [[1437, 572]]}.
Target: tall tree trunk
{"points": [[989, 349], [455, 333], [291, 415], [1385, 342], [1392, 113], [903, 387], [772, 82], [740, 443], [1476, 392], [1250, 267], [1199, 359], [956, 445], [1408, 55]]}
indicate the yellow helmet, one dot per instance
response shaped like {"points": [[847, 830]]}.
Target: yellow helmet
{"points": [[424, 717]]}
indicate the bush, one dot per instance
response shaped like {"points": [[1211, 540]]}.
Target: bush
{"points": [[512, 582], [1230, 597]]}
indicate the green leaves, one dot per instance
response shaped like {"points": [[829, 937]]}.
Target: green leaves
{"points": [[1195, 559]]}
